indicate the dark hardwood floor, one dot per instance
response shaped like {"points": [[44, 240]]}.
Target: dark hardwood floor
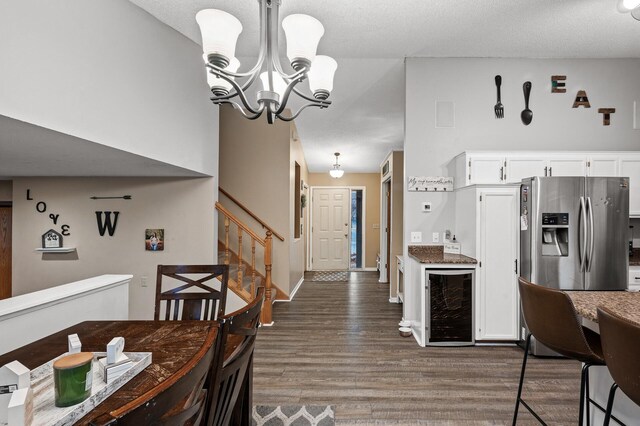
{"points": [[338, 344]]}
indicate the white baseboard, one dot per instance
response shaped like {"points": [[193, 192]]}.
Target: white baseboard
{"points": [[293, 293], [393, 300], [267, 325], [370, 269]]}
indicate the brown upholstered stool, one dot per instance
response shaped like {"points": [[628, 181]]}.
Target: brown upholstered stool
{"points": [[621, 346], [552, 319]]}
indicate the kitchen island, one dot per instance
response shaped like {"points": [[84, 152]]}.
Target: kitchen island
{"points": [[627, 305]]}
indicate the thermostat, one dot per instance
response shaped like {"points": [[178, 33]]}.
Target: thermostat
{"points": [[426, 207]]}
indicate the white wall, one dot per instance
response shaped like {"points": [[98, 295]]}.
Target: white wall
{"points": [[184, 208], [108, 72], [469, 83]]}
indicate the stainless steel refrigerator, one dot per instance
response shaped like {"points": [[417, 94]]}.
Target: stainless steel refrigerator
{"points": [[574, 234]]}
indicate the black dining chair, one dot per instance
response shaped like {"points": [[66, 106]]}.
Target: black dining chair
{"points": [[197, 298], [552, 320], [621, 347], [231, 385]]}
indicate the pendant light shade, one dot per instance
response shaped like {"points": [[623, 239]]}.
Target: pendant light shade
{"points": [[630, 4], [279, 86], [220, 31], [220, 86], [321, 75], [336, 172], [303, 34]]}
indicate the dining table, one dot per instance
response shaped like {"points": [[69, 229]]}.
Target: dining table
{"points": [[172, 344]]}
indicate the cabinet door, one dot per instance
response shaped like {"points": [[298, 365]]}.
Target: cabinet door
{"points": [[497, 309], [630, 167], [486, 170], [567, 166], [603, 165], [519, 168]]}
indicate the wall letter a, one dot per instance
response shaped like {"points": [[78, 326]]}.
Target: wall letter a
{"points": [[107, 225]]}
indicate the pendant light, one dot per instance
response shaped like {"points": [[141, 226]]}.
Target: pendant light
{"points": [[336, 172]]}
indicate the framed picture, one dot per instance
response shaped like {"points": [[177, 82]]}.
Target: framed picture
{"points": [[51, 239], [154, 239]]}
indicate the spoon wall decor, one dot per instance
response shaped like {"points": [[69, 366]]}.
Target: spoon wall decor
{"points": [[527, 114]]}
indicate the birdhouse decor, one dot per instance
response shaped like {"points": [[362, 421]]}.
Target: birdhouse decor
{"points": [[51, 239]]}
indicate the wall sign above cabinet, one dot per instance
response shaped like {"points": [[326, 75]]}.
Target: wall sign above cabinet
{"points": [[558, 84], [430, 183], [581, 100], [606, 115]]}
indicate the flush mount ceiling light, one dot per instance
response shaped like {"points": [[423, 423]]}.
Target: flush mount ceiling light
{"points": [[220, 31], [632, 6], [336, 172]]}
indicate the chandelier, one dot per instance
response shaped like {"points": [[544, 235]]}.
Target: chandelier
{"points": [[632, 6], [220, 31], [336, 172]]}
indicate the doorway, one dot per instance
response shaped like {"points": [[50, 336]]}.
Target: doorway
{"points": [[356, 246], [385, 246], [5, 250], [330, 229]]}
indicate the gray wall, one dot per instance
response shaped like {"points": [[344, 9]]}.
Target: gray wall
{"points": [[469, 83], [108, 72]]}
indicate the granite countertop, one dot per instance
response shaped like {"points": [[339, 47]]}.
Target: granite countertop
{"points": [[634, 259], [624, 303], [436, 254]]}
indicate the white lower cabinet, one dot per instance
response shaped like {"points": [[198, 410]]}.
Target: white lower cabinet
{"points": [[493, 234]]}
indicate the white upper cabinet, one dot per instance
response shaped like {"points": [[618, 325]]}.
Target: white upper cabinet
{"points": [[630, 167], [520, 167], [510, 167], [603, 165], [566, 165]]}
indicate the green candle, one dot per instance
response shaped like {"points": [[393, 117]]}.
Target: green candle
{"points": [[72, 376]]}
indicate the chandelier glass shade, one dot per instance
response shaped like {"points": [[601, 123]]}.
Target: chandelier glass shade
{"points": [[220, 31], [336, 172]]}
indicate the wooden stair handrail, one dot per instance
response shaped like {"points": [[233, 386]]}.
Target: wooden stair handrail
{"points": [[240, 224], [250, 213]]}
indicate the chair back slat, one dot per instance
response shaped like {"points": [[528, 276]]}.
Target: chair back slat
{"points": [[196, 299]]}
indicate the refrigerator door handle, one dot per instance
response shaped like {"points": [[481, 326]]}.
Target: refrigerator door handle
{"points": [[583, 234], [591, 236]]}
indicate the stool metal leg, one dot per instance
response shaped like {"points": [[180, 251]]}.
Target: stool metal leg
{"points": [[524, 366], [612, 394], [584, 396]]}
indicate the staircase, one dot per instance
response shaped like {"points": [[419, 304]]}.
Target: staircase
{"points": [[248, 268]]}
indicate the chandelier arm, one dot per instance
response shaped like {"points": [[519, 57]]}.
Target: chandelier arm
{"points": [[245, 85], [285, 96], [294, 116], [240, 93], [238, 107], [321, 103]]}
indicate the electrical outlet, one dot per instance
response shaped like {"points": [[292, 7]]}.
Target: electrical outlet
{"points": [[143, 281], [426, 207], [416, 237], [436, 237]]}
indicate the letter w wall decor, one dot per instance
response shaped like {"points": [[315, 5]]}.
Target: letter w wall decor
{"points": [[107, 224]]}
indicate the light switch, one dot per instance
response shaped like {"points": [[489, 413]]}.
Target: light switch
{"points": [[436, 237], [416, 237], [143, 281], [636, 115]]}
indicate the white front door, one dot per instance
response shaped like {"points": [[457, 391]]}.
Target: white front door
{"points": [[330, 229]]}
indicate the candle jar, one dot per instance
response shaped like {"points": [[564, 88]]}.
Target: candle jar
{"points": [[72, 377]]}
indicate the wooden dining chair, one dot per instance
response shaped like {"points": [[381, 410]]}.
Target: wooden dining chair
{"points": [[197, 299], [178, 401], [231, 383]]}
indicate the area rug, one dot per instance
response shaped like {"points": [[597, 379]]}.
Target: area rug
{"points": [[335, 276], [294, 415]]}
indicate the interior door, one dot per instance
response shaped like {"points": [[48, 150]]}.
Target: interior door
{"points": [[330, 229], [497, 306], [5, 252]]}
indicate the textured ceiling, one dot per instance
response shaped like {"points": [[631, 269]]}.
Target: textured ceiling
{"points": [[371, 38]]}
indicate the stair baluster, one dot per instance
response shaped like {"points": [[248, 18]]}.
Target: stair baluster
{"points": [[240, 265]]}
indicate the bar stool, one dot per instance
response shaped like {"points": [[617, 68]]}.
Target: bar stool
{"points": [[552, 319], [621, 346]]}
